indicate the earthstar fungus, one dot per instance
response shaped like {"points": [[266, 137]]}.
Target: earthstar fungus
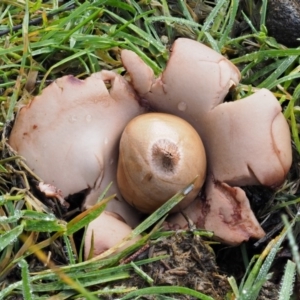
{"points": [[247, 142], [69, 136]]}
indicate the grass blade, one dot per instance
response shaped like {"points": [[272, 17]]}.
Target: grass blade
{"points": [[162, 211], [269, 82], [26, 287], [232, 15], [210, 19], [87, 216], [293, 244], [10, 236], [166, 290], [288, 280]]}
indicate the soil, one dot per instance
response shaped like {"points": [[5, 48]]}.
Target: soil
{"points": [[191, 263]]}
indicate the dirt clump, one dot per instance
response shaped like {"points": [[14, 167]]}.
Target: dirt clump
{"points": [[190, 263]]}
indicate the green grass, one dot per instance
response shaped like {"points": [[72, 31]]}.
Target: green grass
{"points": [[43, 41]]}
